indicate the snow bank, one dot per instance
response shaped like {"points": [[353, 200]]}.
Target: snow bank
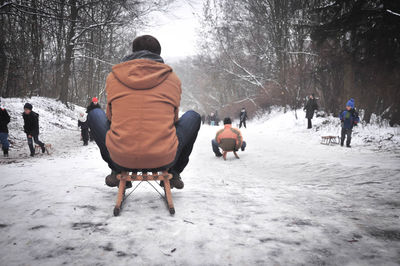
{"points": [[55, 119]]}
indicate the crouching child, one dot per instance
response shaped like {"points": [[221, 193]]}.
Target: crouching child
{"points": [[349, 118]]}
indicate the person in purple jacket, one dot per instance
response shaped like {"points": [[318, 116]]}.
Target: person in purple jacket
{"points": [[349, 118]]}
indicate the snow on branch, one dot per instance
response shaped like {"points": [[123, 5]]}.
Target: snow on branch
{"points": [[5, 4], [306, 53], [93, 58], [105, 23], [392, 12]]}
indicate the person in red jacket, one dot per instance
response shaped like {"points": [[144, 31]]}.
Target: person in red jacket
{"points": [[228, 138]]}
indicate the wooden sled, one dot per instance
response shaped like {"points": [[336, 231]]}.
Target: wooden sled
{"points": [[163, 176], [38, 149], [225, 153], [328, 140]]}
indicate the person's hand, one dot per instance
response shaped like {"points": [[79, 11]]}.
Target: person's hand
{"points": [[29, 136]]}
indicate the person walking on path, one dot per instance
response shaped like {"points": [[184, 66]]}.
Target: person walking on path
{"points": [[4, 120], [31, 128], [243, 117], [310, 107]]}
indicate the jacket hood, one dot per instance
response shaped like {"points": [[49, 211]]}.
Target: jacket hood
{"points": [[142, 70]]}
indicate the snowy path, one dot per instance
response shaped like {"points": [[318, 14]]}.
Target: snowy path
{"points": [[287, 201]]}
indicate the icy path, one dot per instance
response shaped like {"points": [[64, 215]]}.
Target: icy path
{"points": [[287, 201]]}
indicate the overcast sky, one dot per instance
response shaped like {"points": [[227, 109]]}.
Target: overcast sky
{"points": [[177, 29]]}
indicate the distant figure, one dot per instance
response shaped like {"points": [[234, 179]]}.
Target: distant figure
{"points": [[228, 138], [93, 105], [310, 108], [31, 128], [212, 119], [243, 117], [203, 119], [349, 118], [4, 120], [82, 123]]}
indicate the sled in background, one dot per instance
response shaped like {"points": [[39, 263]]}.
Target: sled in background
{"points": [[328, 140], [48, 148], [225, 153], [146, 176], [228, 145]]}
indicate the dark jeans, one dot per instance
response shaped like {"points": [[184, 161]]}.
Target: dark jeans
{"points": [[309, 123], [186, 130], [242, 122], [346, 133], [4, 140], [85, 135], [216, 150], [34, 138]]}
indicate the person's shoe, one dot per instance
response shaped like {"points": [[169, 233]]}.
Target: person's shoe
{"points": [[43, 149], [348, 146], [32, 155], [85, 143], [218, 155], [176, 181], [127, 185], [112, 180], [5, 152]]}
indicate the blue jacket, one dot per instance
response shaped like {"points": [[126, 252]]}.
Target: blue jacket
{"points": [[349, 118]]}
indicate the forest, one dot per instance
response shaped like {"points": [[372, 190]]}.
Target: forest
{"points": [[252, 53]]}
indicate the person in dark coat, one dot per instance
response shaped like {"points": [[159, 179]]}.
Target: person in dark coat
{"points": [[310, 107], [212, 119], [203, 119], [4, 120], [82, 123], [243, 117], [31, 128], [349, 118], [93, 105]]}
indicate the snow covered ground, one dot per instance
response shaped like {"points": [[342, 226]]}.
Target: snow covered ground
{"points": [[288, 201]]}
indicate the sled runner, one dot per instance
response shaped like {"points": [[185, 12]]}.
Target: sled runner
{"points": [[146, 176], [46, 146], [225, 153], [328, 140]]}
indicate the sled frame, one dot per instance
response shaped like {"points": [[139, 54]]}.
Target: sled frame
{"points": [[225, 153], [163, 176], [38, 149], [328, 140]]}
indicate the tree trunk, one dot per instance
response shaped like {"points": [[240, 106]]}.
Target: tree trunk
{"points": [[69, 52]]}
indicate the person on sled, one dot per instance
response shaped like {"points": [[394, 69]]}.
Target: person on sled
{"points": [[228, 138], [141, 128]]}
